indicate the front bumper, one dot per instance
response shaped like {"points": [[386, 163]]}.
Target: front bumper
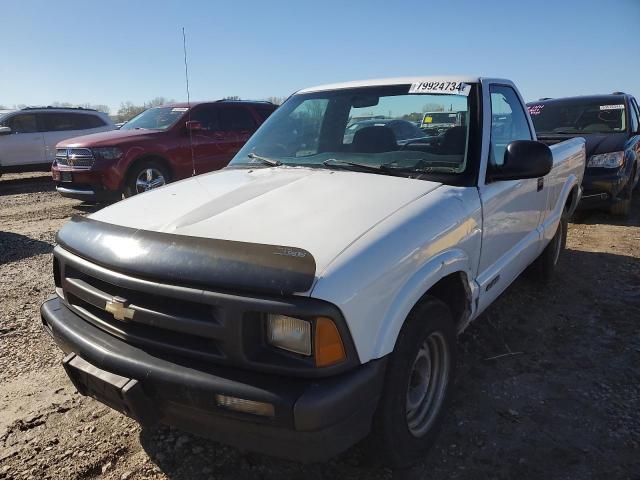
{"points": [[83, 184], [602, 187], [314, 419]]}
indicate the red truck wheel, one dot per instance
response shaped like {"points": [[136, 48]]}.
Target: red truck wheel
{"points": [[145, 176]]}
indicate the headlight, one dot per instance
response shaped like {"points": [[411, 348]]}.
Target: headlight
{"points": [[606, 160], [294, 335], [107, 153], [288, 333]]}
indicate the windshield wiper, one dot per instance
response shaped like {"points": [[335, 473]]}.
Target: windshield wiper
{"points": [[265, 160], [381, 169]]}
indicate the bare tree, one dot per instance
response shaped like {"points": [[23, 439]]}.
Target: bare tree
{"points": [[276, 100], [433, 107], [157, 101], [128, 110]]}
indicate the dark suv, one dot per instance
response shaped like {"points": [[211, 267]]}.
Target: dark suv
{"points": [[160, 145], [610, 126]]}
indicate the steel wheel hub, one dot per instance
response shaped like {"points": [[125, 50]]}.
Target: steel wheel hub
{"points": [[427, 384]]}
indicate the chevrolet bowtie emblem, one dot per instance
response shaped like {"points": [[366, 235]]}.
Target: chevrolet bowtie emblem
{"points": [[117, 307]]}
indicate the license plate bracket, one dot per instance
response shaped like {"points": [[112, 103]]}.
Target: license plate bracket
{"points": [[120, 393], [66, 177]]}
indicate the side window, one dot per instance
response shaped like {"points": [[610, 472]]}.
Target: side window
{"points": [[207, 115], [633, 112], [236, 118], [23, 123], [508, 121], [60, 122]]}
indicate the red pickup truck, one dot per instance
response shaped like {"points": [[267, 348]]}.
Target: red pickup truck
{"points": [[161, 145]]}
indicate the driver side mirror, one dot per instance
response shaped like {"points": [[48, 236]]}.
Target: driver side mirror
{"points": [[5, 130], [193, 126], [523, 159]]}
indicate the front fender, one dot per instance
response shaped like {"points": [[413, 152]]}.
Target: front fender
{"points": [[443, 264]]}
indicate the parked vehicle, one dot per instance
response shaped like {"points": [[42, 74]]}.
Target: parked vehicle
{"points": [[160, 145], [610, 125], [402, 129], [310, 293], [28, 136], [438, 122]]}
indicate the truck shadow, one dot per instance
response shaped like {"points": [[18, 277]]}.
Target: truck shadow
{"points": [[15, 247], [26, 184], [596, 217], [525, 368]]}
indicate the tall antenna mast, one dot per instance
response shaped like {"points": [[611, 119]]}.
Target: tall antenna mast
{"points": [[186, 76]]}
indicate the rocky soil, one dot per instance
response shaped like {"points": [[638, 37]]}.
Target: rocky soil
{"points": [[548, 384]]}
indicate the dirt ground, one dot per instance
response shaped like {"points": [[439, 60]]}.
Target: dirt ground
{"points": [[563, 404]]}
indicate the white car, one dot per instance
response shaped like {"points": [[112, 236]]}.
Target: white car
{"points": [[28, 137], [310, 294]]}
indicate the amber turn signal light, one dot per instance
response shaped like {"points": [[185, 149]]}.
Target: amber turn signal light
{"points": [[328, 344]]}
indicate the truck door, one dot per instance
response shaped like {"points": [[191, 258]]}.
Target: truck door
{"points": [[25, 144], [511, 209]]}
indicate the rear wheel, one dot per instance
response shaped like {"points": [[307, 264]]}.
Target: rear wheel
{"points": [[547, 262], [418, 383], [145, 176]]}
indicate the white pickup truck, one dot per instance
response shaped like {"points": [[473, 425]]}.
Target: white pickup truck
{"points": [[310, 294]]}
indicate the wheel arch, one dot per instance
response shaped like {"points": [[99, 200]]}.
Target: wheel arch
{"points": [[446, 277]]}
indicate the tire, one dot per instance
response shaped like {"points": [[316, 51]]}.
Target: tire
{"points": [[410, 412], [148, 171], [622, 207], [547, 262]]}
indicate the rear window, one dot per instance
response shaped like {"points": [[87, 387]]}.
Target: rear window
{"points": [[579, 116]]}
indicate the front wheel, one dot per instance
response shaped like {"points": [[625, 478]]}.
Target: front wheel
{"points": [[418, 383], [145, 176], [622, 207]]}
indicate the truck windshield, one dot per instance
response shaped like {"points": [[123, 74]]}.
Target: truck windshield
{"points": [[360, 128], [157, 118], [579, 116]]}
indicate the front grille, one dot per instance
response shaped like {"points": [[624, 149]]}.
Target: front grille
{"points": [[75, 157], [182, 323], [159, 323]]}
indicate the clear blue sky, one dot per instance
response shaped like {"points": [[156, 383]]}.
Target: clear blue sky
{"points": [[108, 52]]}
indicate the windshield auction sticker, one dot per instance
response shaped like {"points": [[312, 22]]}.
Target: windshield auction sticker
{"points": [[450, 88], [611, 107], [535, 109], [179, 109]]}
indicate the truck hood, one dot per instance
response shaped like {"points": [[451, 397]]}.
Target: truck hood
{"points": [[112, 138], [321, 211]]}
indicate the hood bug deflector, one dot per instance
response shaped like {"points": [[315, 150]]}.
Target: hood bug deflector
{"points": [[185, 260]]}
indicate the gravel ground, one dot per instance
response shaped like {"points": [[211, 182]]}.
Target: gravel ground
{"points": [[564, 403]]}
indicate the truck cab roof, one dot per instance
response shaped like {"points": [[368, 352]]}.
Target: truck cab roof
{"points": [[402, 81]]}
